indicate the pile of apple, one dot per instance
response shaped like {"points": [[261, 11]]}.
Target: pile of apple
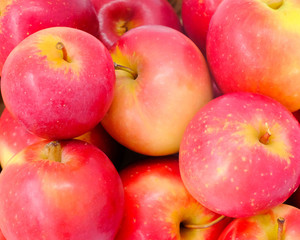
{"points": [[157, 120]]}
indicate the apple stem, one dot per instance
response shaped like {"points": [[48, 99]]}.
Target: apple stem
{"points": [[266, 137], [204, 226], [52, 151], [280, 222], [126, 69], [61, 46]]}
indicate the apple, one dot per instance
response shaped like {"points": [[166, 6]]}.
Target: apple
{"points": [[1, 236], [253, 46], [60, 190], [196, 16], [14, 137], [281, 222], [119, 16], [58, 82], [158, 206], [20, 18], [162, 80], [240, 154]]}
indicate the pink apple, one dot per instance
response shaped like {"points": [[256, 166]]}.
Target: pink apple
{"points": [[20, 18], [158, 206], [196, 16], [240, 154], [58, 82], [254, 46], [60, 190], [1, 236], [119, 16], [14, 137], [163, 83], [281, 222]]}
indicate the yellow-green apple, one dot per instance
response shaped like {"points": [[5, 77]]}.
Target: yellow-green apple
{"points": [[20, 18], [281, 223], [58, 82], [162, 82], [60, 190], [158, 206], [119, 16], [14, 137], [196, 16], [253, 46], [240, 154]]}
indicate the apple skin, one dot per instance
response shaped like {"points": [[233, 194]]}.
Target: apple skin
{"points": [[196, 16], [20, 18], [119, 16], [14, 137], [265, 226], [58, 99], [1, 236], [173, 83], [78, 197], [156, 203], [252, 47], [226, 167]]}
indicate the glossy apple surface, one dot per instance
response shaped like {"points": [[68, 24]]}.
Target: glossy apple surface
{"points": [[253, 46], [158, 206], [265, 226], [119, 16], [196, 16], [65, 190], [14, 137], [56, 95], [20, 18], [240, 154], [150, 111]]}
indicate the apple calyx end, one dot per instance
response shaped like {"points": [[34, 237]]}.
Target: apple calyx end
{"points": [[280, 222], [52, 151], [61, 46], [204, 226], [126, 69], [265, 138]]}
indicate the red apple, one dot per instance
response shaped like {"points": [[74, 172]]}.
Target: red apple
{"points": [[58, 82], [240, 154], [14, 137], [1, 236], [158, 206], [60, 190], [20, 18], [196, 16], [163, 83], [119, 16], [281, 222], [254, 46]]}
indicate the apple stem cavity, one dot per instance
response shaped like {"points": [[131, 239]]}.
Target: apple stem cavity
{"points": [[274, 4], [61, 46], [52, 151], [126, 69], [280, 222], [264, 139], [204, 226]]}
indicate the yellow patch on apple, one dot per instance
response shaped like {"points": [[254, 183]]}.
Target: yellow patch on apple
{"points": [[47, 45], [275, 146]]}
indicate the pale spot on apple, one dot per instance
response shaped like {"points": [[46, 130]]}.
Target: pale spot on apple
{"points": [[244, 159], [232, 180], [237, 188]]}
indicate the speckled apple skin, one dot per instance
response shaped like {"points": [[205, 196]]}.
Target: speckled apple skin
{"points": [[80, 197], [225, 166], [56, 98]]}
